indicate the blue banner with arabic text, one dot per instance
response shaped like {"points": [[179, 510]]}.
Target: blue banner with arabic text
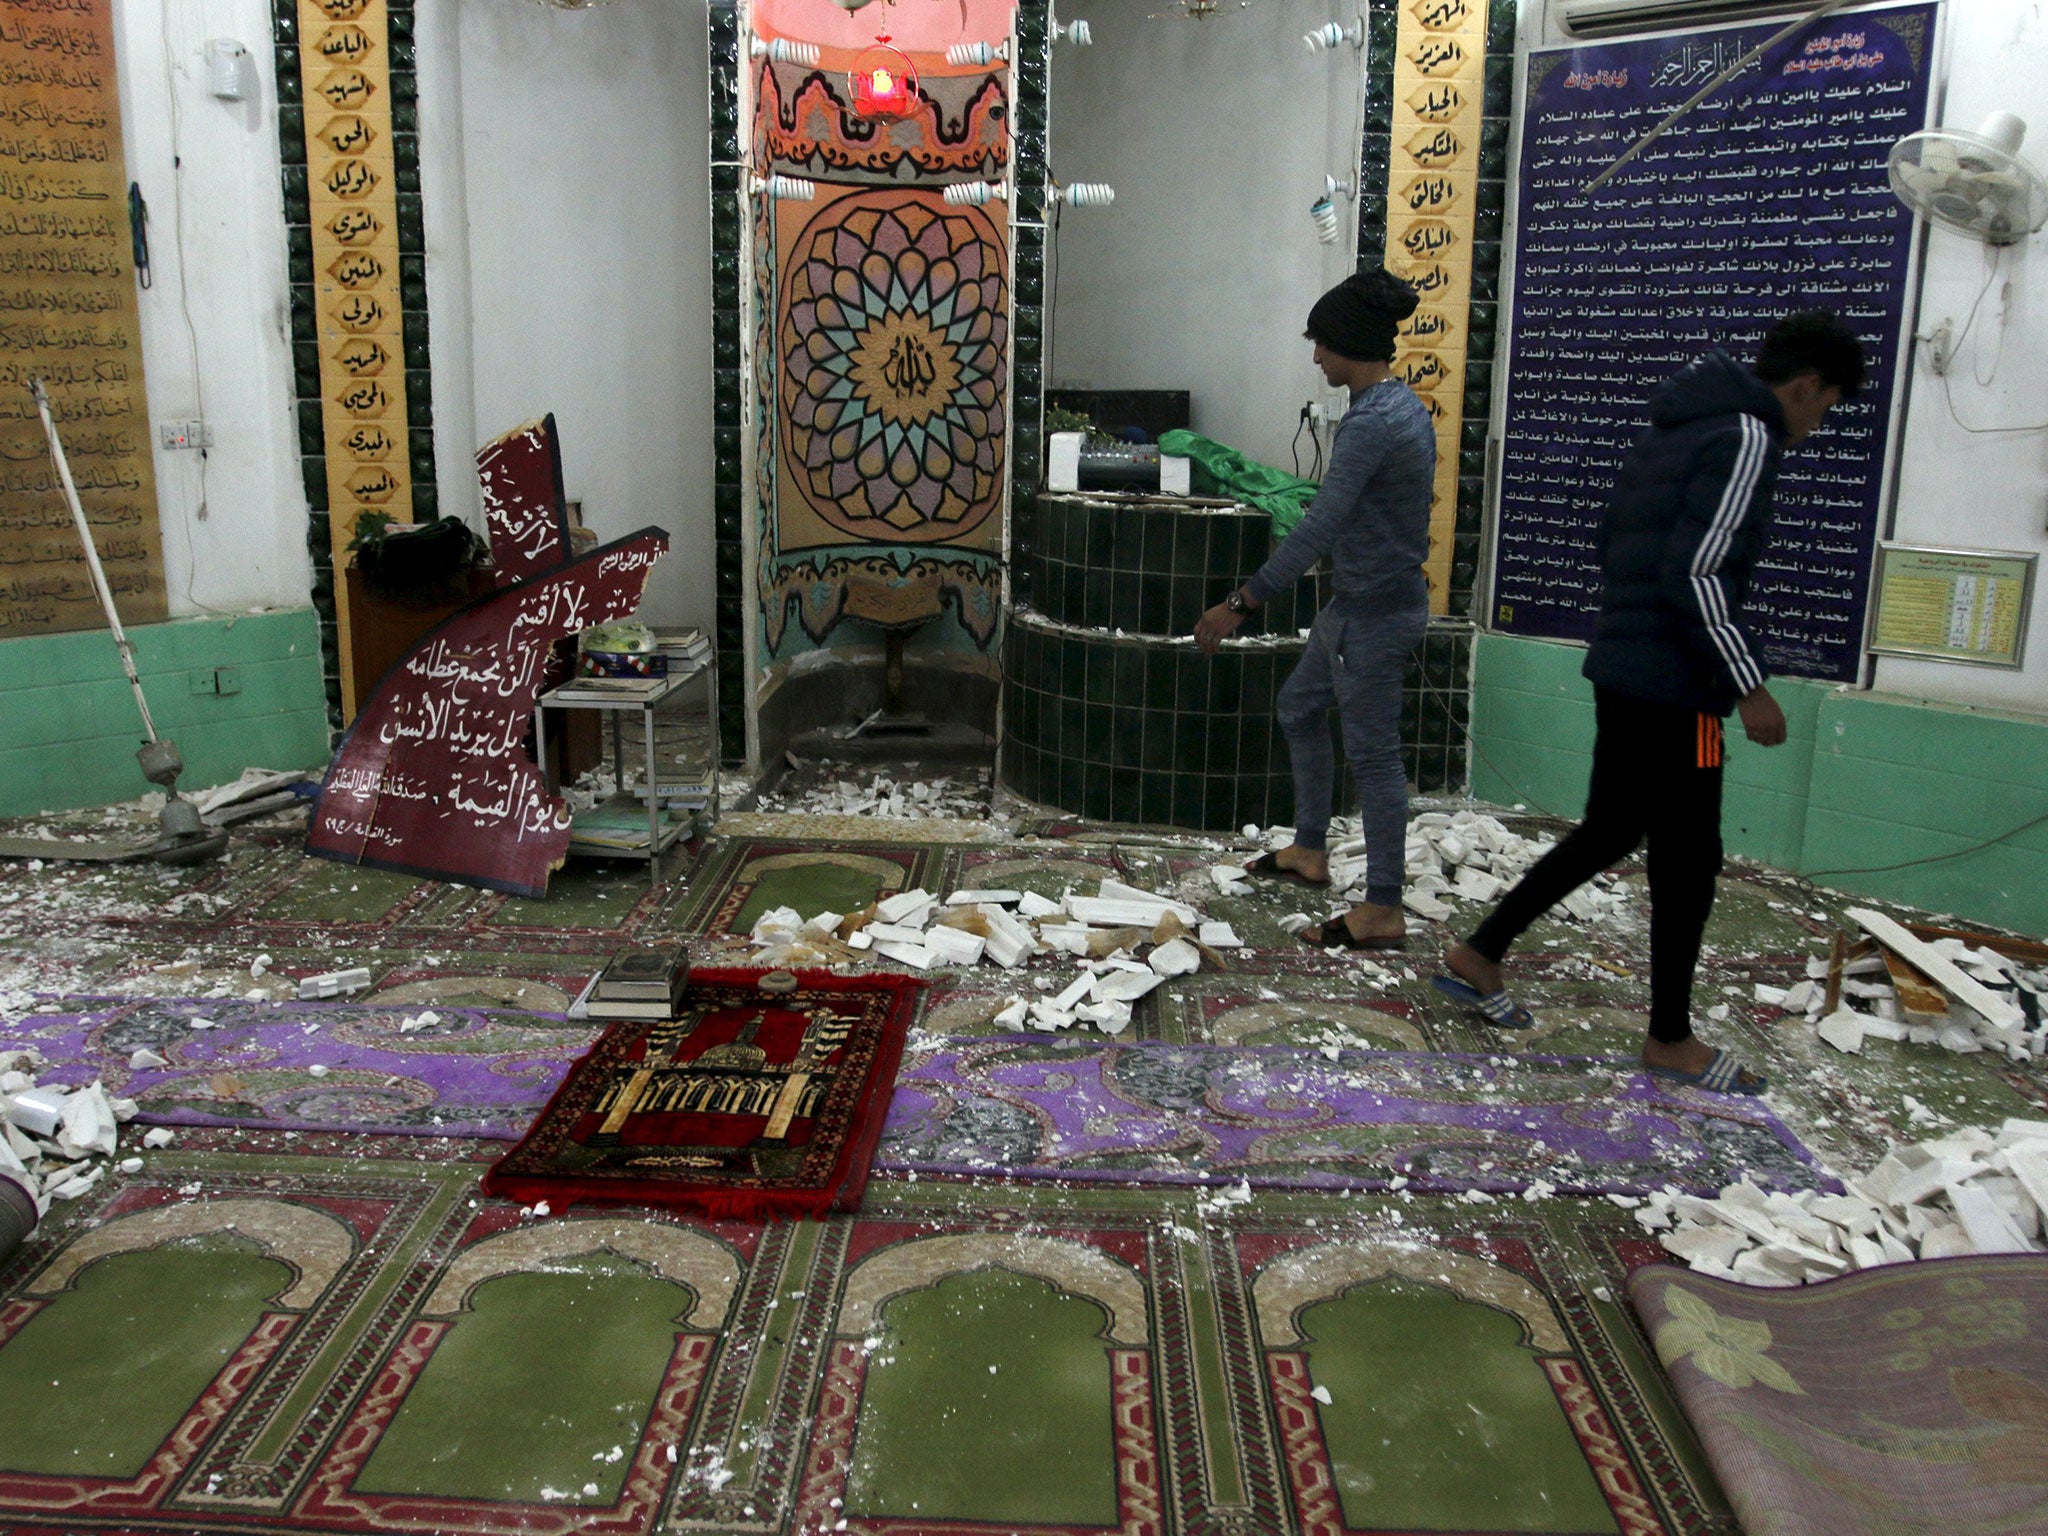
{"points": [[1769, 197]]}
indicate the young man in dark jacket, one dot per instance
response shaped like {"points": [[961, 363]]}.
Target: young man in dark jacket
{"points": [[1670, 658]]}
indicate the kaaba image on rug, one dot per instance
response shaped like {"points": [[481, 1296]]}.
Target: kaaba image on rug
{"points": [[747, 1104]]}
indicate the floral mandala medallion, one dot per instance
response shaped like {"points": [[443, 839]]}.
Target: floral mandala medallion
{"points": [[892, 341]]}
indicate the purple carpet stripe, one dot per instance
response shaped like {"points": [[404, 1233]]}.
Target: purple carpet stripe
{"points": [[1282, 1117], [471, 1072], [1020, 1107]]}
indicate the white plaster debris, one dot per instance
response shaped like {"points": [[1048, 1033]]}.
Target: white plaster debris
{"points": [[1970, 1192], [1124, 941], [333, 984], [1469, 856], [60, 1143], [888, 799], [1982, 988]]}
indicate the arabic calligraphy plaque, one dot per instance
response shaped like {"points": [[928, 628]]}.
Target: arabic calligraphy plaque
{"points": [[1439, 82], [1771, 197], [526, 508], [68, 316], [433, 777]]}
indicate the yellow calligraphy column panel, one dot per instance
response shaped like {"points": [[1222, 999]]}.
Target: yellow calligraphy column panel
{"points": [[344, 63], [68, 316], [1432, 198]]}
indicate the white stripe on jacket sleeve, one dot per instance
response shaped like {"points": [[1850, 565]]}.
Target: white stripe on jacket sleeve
{"points": [[1709, 591]]}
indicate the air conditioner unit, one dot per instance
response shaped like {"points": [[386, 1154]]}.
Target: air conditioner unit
{"points": [[1613, 18]]}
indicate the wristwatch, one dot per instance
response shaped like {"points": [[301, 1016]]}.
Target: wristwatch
{"points": [[1237, 602]]}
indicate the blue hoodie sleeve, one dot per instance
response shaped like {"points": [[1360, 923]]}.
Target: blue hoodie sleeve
{"points": [[1722, 505], [1355, 457]]}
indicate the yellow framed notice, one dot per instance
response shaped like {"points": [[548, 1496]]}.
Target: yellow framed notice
{"points": [[1967, 605]]}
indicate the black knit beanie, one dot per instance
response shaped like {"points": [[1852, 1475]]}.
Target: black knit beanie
{"points": [[1358, 318]]}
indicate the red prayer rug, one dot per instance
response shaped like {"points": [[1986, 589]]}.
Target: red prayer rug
{"points": [[745, 1105]]}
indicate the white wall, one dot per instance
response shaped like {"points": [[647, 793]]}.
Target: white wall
{"points": [[444, 194], [566, 177], [1985, 492], [1216, 135], [585, 171], [238, 539]]}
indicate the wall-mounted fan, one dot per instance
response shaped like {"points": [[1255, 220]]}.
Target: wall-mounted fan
{"points": [[1973, 182]]}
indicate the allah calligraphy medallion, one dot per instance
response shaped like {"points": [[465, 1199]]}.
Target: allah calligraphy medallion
{"points": [[892, 335]]}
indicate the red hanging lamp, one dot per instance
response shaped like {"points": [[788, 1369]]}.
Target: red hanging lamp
{"points": [[883, 81]]}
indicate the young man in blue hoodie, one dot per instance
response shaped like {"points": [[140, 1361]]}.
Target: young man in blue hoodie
{"points": [[1670, 658]]}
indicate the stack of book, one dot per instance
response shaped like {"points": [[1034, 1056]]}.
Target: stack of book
{"points": [[609, 690], [686, 648], [680, 783], [641, 981], [619, 823]]}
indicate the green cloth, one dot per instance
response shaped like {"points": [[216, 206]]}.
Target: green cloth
{"points": [[1220, 470]]}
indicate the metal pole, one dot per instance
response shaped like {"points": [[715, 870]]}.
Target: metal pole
{"points": [[92, 555]]}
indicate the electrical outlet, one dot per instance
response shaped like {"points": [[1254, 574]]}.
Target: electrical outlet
{"points": [[185, 434]]}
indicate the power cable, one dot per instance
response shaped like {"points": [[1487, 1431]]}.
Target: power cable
{"points": [[185, 310], [1933, 858]]}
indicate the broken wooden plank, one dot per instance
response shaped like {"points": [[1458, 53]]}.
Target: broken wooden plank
{"points": [[1838, 957], [1939, 970], [2028, 952], [1919, 998]]}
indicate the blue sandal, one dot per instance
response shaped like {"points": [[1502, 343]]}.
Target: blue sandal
{"points": [[1721, 1075], [1499, 1010]]}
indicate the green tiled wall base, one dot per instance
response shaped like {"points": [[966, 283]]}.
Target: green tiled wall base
{"points": [[1863, 780], [1144, 730], [1150, 568], [68, 727], [1899, 779]]}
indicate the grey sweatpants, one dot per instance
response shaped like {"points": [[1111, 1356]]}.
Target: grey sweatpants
{"points": [[1355, 661]]}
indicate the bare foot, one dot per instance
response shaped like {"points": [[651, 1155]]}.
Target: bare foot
{"points": [[1368, 923], [1473, 968], [1309, 863], [1690, 1055]]}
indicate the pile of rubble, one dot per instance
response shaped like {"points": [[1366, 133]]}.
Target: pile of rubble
{"points": [[884, 797], [1967, 1193], [1450, 855], [1124, 940], [58, 1143], [1941, 991]]}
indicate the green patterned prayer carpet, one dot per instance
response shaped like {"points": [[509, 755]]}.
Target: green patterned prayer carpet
{"points": [[275, 1331], [308, 1341]]}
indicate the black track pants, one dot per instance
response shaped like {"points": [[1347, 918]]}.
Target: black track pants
{"points": [[1656, 775]]}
